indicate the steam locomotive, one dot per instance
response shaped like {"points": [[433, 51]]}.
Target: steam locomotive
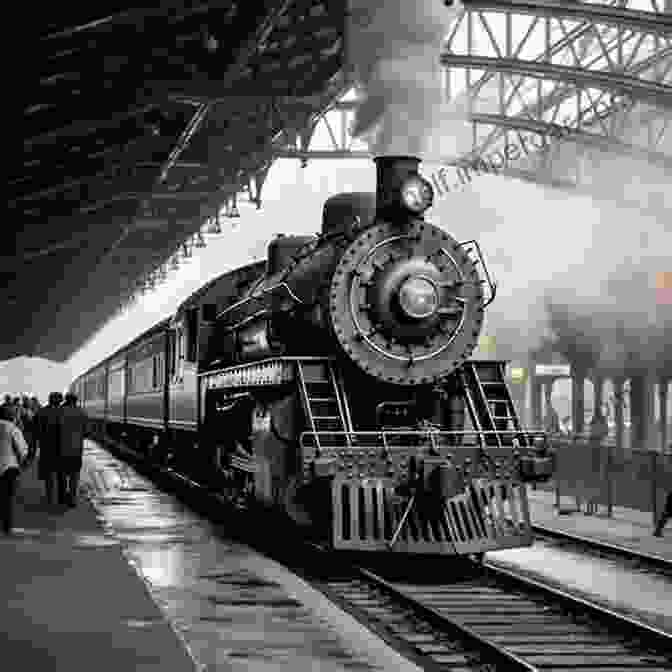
{"points": [[333, 382]]}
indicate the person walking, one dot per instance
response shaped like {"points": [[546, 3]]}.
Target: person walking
{"points": [[13, 455], [18, 414], [29, 429], [73, 428], [49, 439], [664, 516]]}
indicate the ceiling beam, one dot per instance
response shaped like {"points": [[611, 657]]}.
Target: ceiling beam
{"points": [[85, 127], [241, 58], [656, 23], [573, 135], [642, 89]]}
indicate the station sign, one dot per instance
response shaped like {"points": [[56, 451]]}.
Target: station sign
{"points": [[552, 370], [517, 374]]}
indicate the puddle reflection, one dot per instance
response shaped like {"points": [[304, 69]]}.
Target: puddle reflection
{"points": [[232, 618]]}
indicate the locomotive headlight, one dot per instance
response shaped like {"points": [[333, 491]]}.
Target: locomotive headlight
{"points": [[418, 297], [417, 194]]}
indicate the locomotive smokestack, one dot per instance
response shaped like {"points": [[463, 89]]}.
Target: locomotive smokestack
{"points": [[391, 172]]}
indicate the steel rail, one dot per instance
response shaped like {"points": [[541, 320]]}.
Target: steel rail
{"points": [[624, 624], [629, 625], [659, 94], [655, 561], [448, 624], [444, 624], [656, 23]]}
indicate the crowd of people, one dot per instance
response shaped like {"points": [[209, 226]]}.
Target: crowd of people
{"points": [[56, 432]]}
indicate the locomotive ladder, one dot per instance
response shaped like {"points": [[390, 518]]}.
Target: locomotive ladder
{"points": [[324, 402], [489, 401]]}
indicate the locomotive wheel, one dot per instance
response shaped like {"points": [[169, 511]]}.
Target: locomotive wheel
{"points": [[406, 304]]}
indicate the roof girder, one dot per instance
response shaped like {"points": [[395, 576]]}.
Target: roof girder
{"points": [[653, 92], [656, 23]]}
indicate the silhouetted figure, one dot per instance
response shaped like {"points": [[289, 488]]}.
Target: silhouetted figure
{"points": [[49, 439], [73, 428], [13, 454], [599, 430], [664, 516], [29, 427]]}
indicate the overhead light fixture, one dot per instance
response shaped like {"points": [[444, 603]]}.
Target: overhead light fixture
{"points": [[232, 208], [216, 224]]}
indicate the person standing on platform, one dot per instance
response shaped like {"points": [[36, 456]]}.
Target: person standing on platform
{"points": [[73, 428], [29, 430], [599, 430], [664, 516], [49, 439], [18, 415], [13, 455]]}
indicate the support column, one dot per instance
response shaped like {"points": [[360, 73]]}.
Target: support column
{"points": [[598, 396], [551, 418], [578, 400], [618, 414], [536, 403], [641, 403], [662, 399]]}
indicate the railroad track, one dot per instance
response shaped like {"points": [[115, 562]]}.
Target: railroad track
{"points": [[481, 617], [492, 619], [644, 560]]}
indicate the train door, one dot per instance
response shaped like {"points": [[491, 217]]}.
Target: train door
{"points": [[183, 387]]}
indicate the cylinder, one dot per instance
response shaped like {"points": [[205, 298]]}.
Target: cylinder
{"points": [[391, 172]]}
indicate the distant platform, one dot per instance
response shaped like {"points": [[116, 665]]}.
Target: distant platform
{"points": [[628, 528]]}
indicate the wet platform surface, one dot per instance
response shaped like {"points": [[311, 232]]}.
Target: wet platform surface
{"points": [[637, 592], [69, 601], [236, 609]]}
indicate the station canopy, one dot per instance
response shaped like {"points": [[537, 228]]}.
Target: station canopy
{"points": [[137, 124]]}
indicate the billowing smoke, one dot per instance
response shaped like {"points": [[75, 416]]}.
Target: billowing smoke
{"points": [[577, 270], [580, 272], [394, 49], [625, 331]]}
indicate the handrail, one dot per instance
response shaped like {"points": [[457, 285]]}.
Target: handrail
{"points": [[258, 297], [431, 435], [491, 283]]}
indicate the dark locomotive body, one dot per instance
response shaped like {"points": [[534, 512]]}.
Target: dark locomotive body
{"points": [[333, 382]]}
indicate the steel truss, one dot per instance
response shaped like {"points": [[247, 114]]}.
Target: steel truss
{"points": [[589, 76], [596, 74]]}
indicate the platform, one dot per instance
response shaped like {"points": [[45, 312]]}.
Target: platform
{"points": [[627, 527], [71, 601]]}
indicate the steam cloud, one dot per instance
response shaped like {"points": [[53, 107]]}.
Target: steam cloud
{"points": [[578, 271], [394, 49]]}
